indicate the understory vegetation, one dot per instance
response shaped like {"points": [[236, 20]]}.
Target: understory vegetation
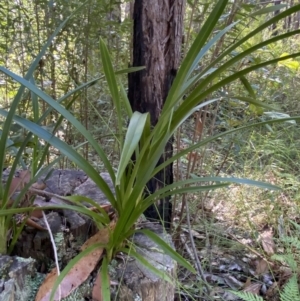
{"points": [[63, 104]]}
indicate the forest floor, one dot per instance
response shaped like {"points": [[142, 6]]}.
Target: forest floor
{"points": [[246, 240]]}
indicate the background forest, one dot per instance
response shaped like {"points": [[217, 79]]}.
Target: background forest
{"points": [[217, 226]]}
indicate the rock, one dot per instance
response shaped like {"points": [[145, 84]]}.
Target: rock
{"points": [[70, 230], [136, 282], [91, 190], [64, 181], [18, 276]]}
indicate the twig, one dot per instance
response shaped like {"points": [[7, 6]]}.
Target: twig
{"points": [[50, 194], [198, 263], [54, 250], [188, 249]]}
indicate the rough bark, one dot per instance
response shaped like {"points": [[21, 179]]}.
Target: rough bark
{"points": [[274, 26], [157, 37]]}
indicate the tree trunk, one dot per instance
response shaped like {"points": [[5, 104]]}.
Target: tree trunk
{"points": [[157, 38], [274, 26]]}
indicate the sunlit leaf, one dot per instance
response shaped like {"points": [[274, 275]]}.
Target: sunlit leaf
{"points": [[268, 9], [133, 135]]}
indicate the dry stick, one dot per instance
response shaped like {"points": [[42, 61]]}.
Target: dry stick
{"points": [[188, 249], [43, 193], [176, 174], [198, 263], [54, 250]]}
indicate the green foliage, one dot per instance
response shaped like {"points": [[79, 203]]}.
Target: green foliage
{"points": [[290, 292], [291, 258], [71, 59], [146, 143], [248, 296], [38, 156]]}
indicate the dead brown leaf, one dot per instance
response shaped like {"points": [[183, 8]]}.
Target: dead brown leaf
{"points": [[199, 124], [247, 283], [272, 291], [17, 183], [35, 225], [107, 208], [39, 185], [262, 267], [78, 273], [97, 294], [267, 241], [253, 287], [47, 285], [285, 272], [37, 213]]}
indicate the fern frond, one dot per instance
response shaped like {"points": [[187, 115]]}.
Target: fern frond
{"points": [[291, 240], [246, 296], [295, 225], [288, 259], [291, 290]]}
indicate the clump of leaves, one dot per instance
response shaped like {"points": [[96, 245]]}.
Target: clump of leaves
{"points": [[148, 144]]}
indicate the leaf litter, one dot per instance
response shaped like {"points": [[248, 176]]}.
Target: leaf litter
{"points": [[79, 272]]}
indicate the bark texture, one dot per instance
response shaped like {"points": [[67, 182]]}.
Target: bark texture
{"points": [[157, 38], [274, 26]]}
